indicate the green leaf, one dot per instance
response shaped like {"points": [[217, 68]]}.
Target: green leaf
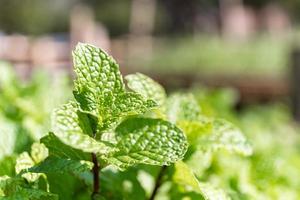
{"points": [[182, 107], [224, 135], [67, 186], [8, 184], [23, 162], [98, 75], [215, 134], [59, 165], [68, 127], [100, 90], [61, 150], [123, 105], [16, 189], [147, 87], [39, 152], [34, 194], [184, 176], [148, 141]]}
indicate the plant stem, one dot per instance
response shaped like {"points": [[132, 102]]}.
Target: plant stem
{"points": [[158, 182], [95, 171]]}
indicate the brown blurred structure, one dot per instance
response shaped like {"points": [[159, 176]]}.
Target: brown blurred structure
{"points": [[49, 51]]}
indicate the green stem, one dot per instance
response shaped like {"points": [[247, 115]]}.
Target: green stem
{"points": [[95, 170], [158, 182]]}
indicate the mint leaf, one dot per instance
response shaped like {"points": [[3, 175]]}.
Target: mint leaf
{"points": [[184, 176], [61, 150], [23, 162], [123, 105], [59, 165], [224, 135], [39, 152], [215, 134], [147, 87], [35, 194], [8, 185], [67, 126], [100, 90], [15, 188], [182, 107], [98, 75], [148, 141]]}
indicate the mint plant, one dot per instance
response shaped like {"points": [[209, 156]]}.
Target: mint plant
{"points": [[111, 134], [105, 120]]}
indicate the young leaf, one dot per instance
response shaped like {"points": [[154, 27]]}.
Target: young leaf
{"points": [[148, 141], [98, 75], [147, 87], [100, 90], [68, 127], [185, 177]]}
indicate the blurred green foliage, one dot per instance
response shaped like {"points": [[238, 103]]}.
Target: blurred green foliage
{"points": [[26, 106], [213, 55], [272, 171]]}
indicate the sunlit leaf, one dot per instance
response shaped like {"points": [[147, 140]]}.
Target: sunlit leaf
{"points": [[68, 127], [98, 75], [148, 141], [23, 162], [146, 86]]}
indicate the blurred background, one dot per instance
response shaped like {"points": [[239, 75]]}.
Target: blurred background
{"points": [[240, 43]]}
